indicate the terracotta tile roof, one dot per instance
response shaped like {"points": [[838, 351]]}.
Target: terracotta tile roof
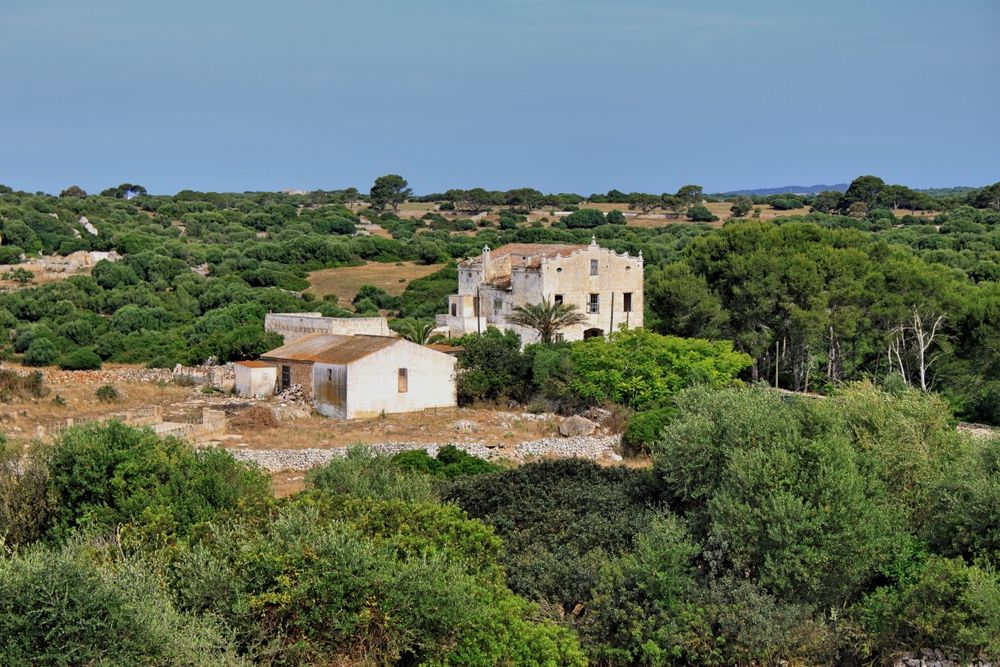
{"points": [[331, 348], [527, 254], [255, 364]]}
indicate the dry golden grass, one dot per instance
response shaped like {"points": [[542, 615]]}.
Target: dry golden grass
{"points": [[42, 276], [346, 281], [429, 426], [19, 419], [288, 482]]}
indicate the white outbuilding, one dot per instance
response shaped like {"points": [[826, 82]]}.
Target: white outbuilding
{"points": [[255, 378], [360, 376]]}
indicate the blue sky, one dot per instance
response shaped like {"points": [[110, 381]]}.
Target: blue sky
{"points": [[560, 95]]}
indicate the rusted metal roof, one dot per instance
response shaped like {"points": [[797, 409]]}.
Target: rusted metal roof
{"points": [[446, 349], [331, 348], [255, 364], [526, 254]]}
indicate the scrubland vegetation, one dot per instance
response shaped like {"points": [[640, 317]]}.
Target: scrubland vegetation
{"points": [[841, 524], [770, 528]]}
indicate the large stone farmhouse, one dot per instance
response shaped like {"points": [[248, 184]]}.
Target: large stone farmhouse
{"points": [[362, 376], [604, 285]]}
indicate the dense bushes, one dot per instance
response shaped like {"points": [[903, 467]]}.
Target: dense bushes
{"points": [[81, 360], [103, 476], [162, 555], [59, 608], [771, 528], [449, 463], [636, 368], [559, 521]]}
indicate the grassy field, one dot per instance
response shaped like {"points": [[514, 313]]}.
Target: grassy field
{"points": [[345, 282]]}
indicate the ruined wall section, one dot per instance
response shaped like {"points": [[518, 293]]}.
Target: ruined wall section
{"points": [[296, 325]]}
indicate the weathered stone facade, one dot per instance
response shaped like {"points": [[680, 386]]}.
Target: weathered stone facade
{"points": [[604, 285], [296, 325]]}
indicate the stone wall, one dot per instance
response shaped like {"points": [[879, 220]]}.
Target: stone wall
{"points": [[937, 658], [275, 460], [296, 325], [220, 377]]}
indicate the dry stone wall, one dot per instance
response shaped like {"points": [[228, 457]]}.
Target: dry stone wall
{"points": [[275, 460], [937, 658]]}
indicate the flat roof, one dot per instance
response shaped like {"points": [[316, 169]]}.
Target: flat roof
{"points": [[255, 364]]}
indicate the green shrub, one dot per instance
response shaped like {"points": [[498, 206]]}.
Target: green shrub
{"points": [[377, 583], [13, 385], [363, 475], [58, 608], [779, 490], [700, 213], [26, 505], [492, 366], [450, 463], [587, 218], [81, 360], [638, 368], [41, 352], [111, 474], [560, 521], [940, 602], [646, 428], [107, 394], [615, 217]]}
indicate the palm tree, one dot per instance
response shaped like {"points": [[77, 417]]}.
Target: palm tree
{"points": [[547, 318], [418, 331]]}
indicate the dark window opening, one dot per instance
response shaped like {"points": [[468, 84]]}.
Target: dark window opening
{"points": [[454, 310], [403, 380], [286, 377], [329, 375], [497, 304], [592, 333], [594, 305], [593, 267], [627, 302], [558, 299]]}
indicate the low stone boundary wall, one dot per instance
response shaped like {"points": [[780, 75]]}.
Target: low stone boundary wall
{"points": [[275, 460], [937, 658]]}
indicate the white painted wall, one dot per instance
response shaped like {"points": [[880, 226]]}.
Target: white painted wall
{"points": [[255, 381], [373, 382]]}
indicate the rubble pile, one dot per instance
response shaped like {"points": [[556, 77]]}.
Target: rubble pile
{"points": [[293, 394]]}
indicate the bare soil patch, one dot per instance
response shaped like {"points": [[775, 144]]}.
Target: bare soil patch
{"points": [[491, 427], [288, 482], [346, 281]]}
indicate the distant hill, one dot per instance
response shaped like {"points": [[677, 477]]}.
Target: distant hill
{"points": [[794, 189]]}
